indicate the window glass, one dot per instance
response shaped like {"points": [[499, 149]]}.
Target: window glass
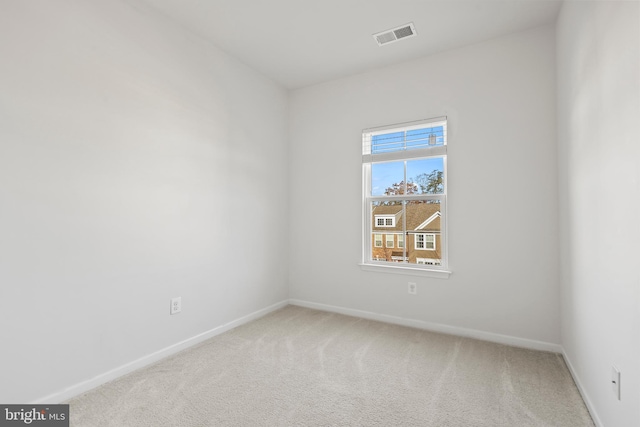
{"points": [[427, 175], [430, 136], [387, 142], [385, 178]]}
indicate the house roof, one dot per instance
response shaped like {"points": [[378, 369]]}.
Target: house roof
{"points": [[417, 215]]}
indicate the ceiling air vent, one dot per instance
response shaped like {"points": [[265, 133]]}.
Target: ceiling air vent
{"points": [[395, 34]]}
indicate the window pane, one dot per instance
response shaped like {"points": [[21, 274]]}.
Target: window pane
{"points": [[387, 142], [386, 252], [430, 241], [430, 136], [387, 178], [424, 234], [427, 175]]}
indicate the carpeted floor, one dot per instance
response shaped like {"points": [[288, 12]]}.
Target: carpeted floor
{"points": [[302, 367]]}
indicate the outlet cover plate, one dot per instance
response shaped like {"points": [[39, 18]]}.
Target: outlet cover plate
{"points": [[615, 381], [176, 305], [413, 288]]}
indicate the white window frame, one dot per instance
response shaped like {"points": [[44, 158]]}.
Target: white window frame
{"points": [[415, 241], [369, 158], [375, 240]]}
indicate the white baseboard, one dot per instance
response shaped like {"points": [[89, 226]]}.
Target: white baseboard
{"points": [[435, 327], [77, 389], [583, 393]]}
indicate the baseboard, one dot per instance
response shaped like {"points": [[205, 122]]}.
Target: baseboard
{"points": [[77, 389], [435, 327], [585, 397]]}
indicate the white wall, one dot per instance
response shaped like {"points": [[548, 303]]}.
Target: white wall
{"points": [[599, 162], [137, 163], [499, 97]]}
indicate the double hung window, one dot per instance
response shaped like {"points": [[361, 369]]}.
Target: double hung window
{"points": [[405, 194]]}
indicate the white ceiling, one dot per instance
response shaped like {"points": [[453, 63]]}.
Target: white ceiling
{"points": [[302, 42]]}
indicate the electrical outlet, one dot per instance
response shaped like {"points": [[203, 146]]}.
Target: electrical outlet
{"points": [[615, 381], [176, 305], [413, 288]]}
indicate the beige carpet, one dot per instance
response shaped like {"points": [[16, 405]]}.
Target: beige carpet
{"points": [[302, 367]]}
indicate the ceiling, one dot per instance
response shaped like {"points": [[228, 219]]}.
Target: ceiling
{"points": [[301, 42]]}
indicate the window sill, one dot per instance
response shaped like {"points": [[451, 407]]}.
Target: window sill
{"points": [[411, 271]]}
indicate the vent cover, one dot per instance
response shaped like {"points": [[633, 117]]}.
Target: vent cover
{"points": [[395, 34]]}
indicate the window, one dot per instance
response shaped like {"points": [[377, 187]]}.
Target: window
{"points": [[385, 221], [425, 242], [405, 189], [428, 261], [389, 241]]}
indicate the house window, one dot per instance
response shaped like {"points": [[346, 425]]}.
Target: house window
{"points": [[425, 242], [385, 221], [389, 241], [427, 261], [405, 188]]}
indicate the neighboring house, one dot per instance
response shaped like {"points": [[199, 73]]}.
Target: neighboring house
{"points": [[418, 243]]}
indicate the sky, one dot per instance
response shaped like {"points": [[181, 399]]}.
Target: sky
{"points": [[384, 175]]}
